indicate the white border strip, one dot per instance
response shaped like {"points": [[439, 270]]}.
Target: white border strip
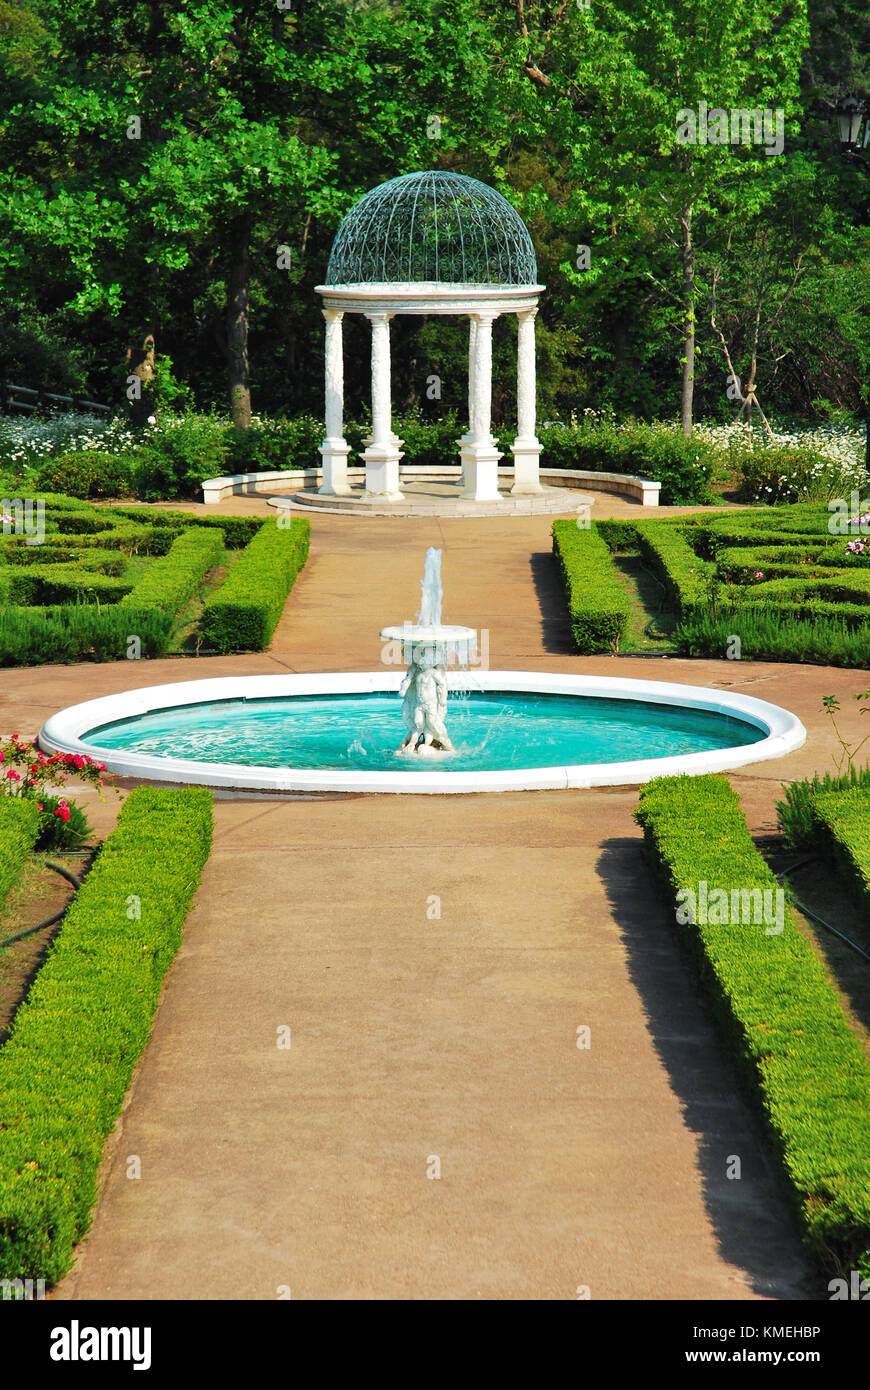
{"points": [[66, 732]]}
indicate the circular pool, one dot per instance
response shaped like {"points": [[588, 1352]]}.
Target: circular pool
{"points": [[339, 732]]}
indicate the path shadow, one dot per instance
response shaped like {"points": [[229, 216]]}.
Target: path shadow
{"points": [[753, 1221], [555, 622]]}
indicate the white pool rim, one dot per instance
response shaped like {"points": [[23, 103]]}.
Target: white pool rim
{"points": [[66, 732]]}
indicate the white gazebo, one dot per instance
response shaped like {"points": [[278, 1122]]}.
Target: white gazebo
{"points": [[432, 243]]}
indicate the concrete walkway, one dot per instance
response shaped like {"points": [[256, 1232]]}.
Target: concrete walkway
{"points": [[433, 960]]}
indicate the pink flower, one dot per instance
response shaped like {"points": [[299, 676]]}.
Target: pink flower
{"points": [[13, 774], [39, 806], [758, 574]]}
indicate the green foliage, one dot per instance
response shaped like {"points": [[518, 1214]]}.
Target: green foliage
{"points": [[597, 602], [273, 444], [243, 614], [18, 831], [773, 634], [88, 473], [782, 1015], [795, 815], [843, 818], [74, 1043], [180, 453], [684, 467], [775, 475], [169, 583], [79, 632]]}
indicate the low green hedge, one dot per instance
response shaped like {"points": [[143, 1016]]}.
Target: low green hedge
{"points": [[243, 613], [66, 1066], [42, 585], [781, 1014], [843, 819], [19, 826], [597, 602], [685, 575], [170, 582], [237, 530]]}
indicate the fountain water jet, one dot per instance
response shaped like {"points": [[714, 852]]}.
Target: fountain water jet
{"points": [[427, 647]]}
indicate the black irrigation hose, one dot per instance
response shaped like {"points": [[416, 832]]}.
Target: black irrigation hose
{"points": [[50, 921], [808, 911]]}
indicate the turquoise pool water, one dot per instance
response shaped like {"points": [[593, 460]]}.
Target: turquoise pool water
{"points": [[490, 730]]}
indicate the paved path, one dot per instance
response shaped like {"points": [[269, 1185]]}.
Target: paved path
{"points": [[417, 1036]]}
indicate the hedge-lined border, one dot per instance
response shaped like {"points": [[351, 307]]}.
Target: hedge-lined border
{"points": [[597, 602], [66, 1066], [48, 612], [782, 1015], [19, 826], [843, 819], [244, 612]]}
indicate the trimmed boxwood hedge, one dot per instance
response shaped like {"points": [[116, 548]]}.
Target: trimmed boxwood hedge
{"points": [[19, 824], [781, 1013], [170, 582], [237, 530], [597, 602], [843, 818], [685, 575], [66, 1066], [243, 613], [42, 585]]}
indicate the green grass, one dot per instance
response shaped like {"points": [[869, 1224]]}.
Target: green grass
{"points": [[649, 606]]}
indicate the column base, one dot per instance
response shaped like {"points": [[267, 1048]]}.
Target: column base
{"points": [[382, 470], [479, 470], [334, 482], [527, 459]]}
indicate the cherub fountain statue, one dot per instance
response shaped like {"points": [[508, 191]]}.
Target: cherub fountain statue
{"points": [[429, 646]]}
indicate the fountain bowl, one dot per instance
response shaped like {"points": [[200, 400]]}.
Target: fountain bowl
{"points": [[77, 730]]}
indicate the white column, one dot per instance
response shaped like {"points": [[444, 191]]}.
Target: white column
{"points": [[478, 450], [382, 454], [334, 449], [526, 447], [472, 340]]}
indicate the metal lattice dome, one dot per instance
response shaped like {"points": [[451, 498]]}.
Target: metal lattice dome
{"points": [[432, 227]]}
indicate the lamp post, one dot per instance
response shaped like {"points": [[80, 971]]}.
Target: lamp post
{"points": [[851, 112]]}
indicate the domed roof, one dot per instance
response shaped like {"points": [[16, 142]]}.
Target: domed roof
{"points": [[432, 227]]}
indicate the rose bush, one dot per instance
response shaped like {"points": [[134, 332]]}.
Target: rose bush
{"points": [[26, 771]]}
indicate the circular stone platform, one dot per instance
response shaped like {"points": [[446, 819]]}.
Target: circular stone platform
{"points": [[436, 497]]}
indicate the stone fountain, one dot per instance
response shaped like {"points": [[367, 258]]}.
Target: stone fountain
{"points": [[429, 647]]}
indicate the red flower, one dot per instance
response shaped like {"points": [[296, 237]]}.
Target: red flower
{"points": [[12, 773], [39, 805]]}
